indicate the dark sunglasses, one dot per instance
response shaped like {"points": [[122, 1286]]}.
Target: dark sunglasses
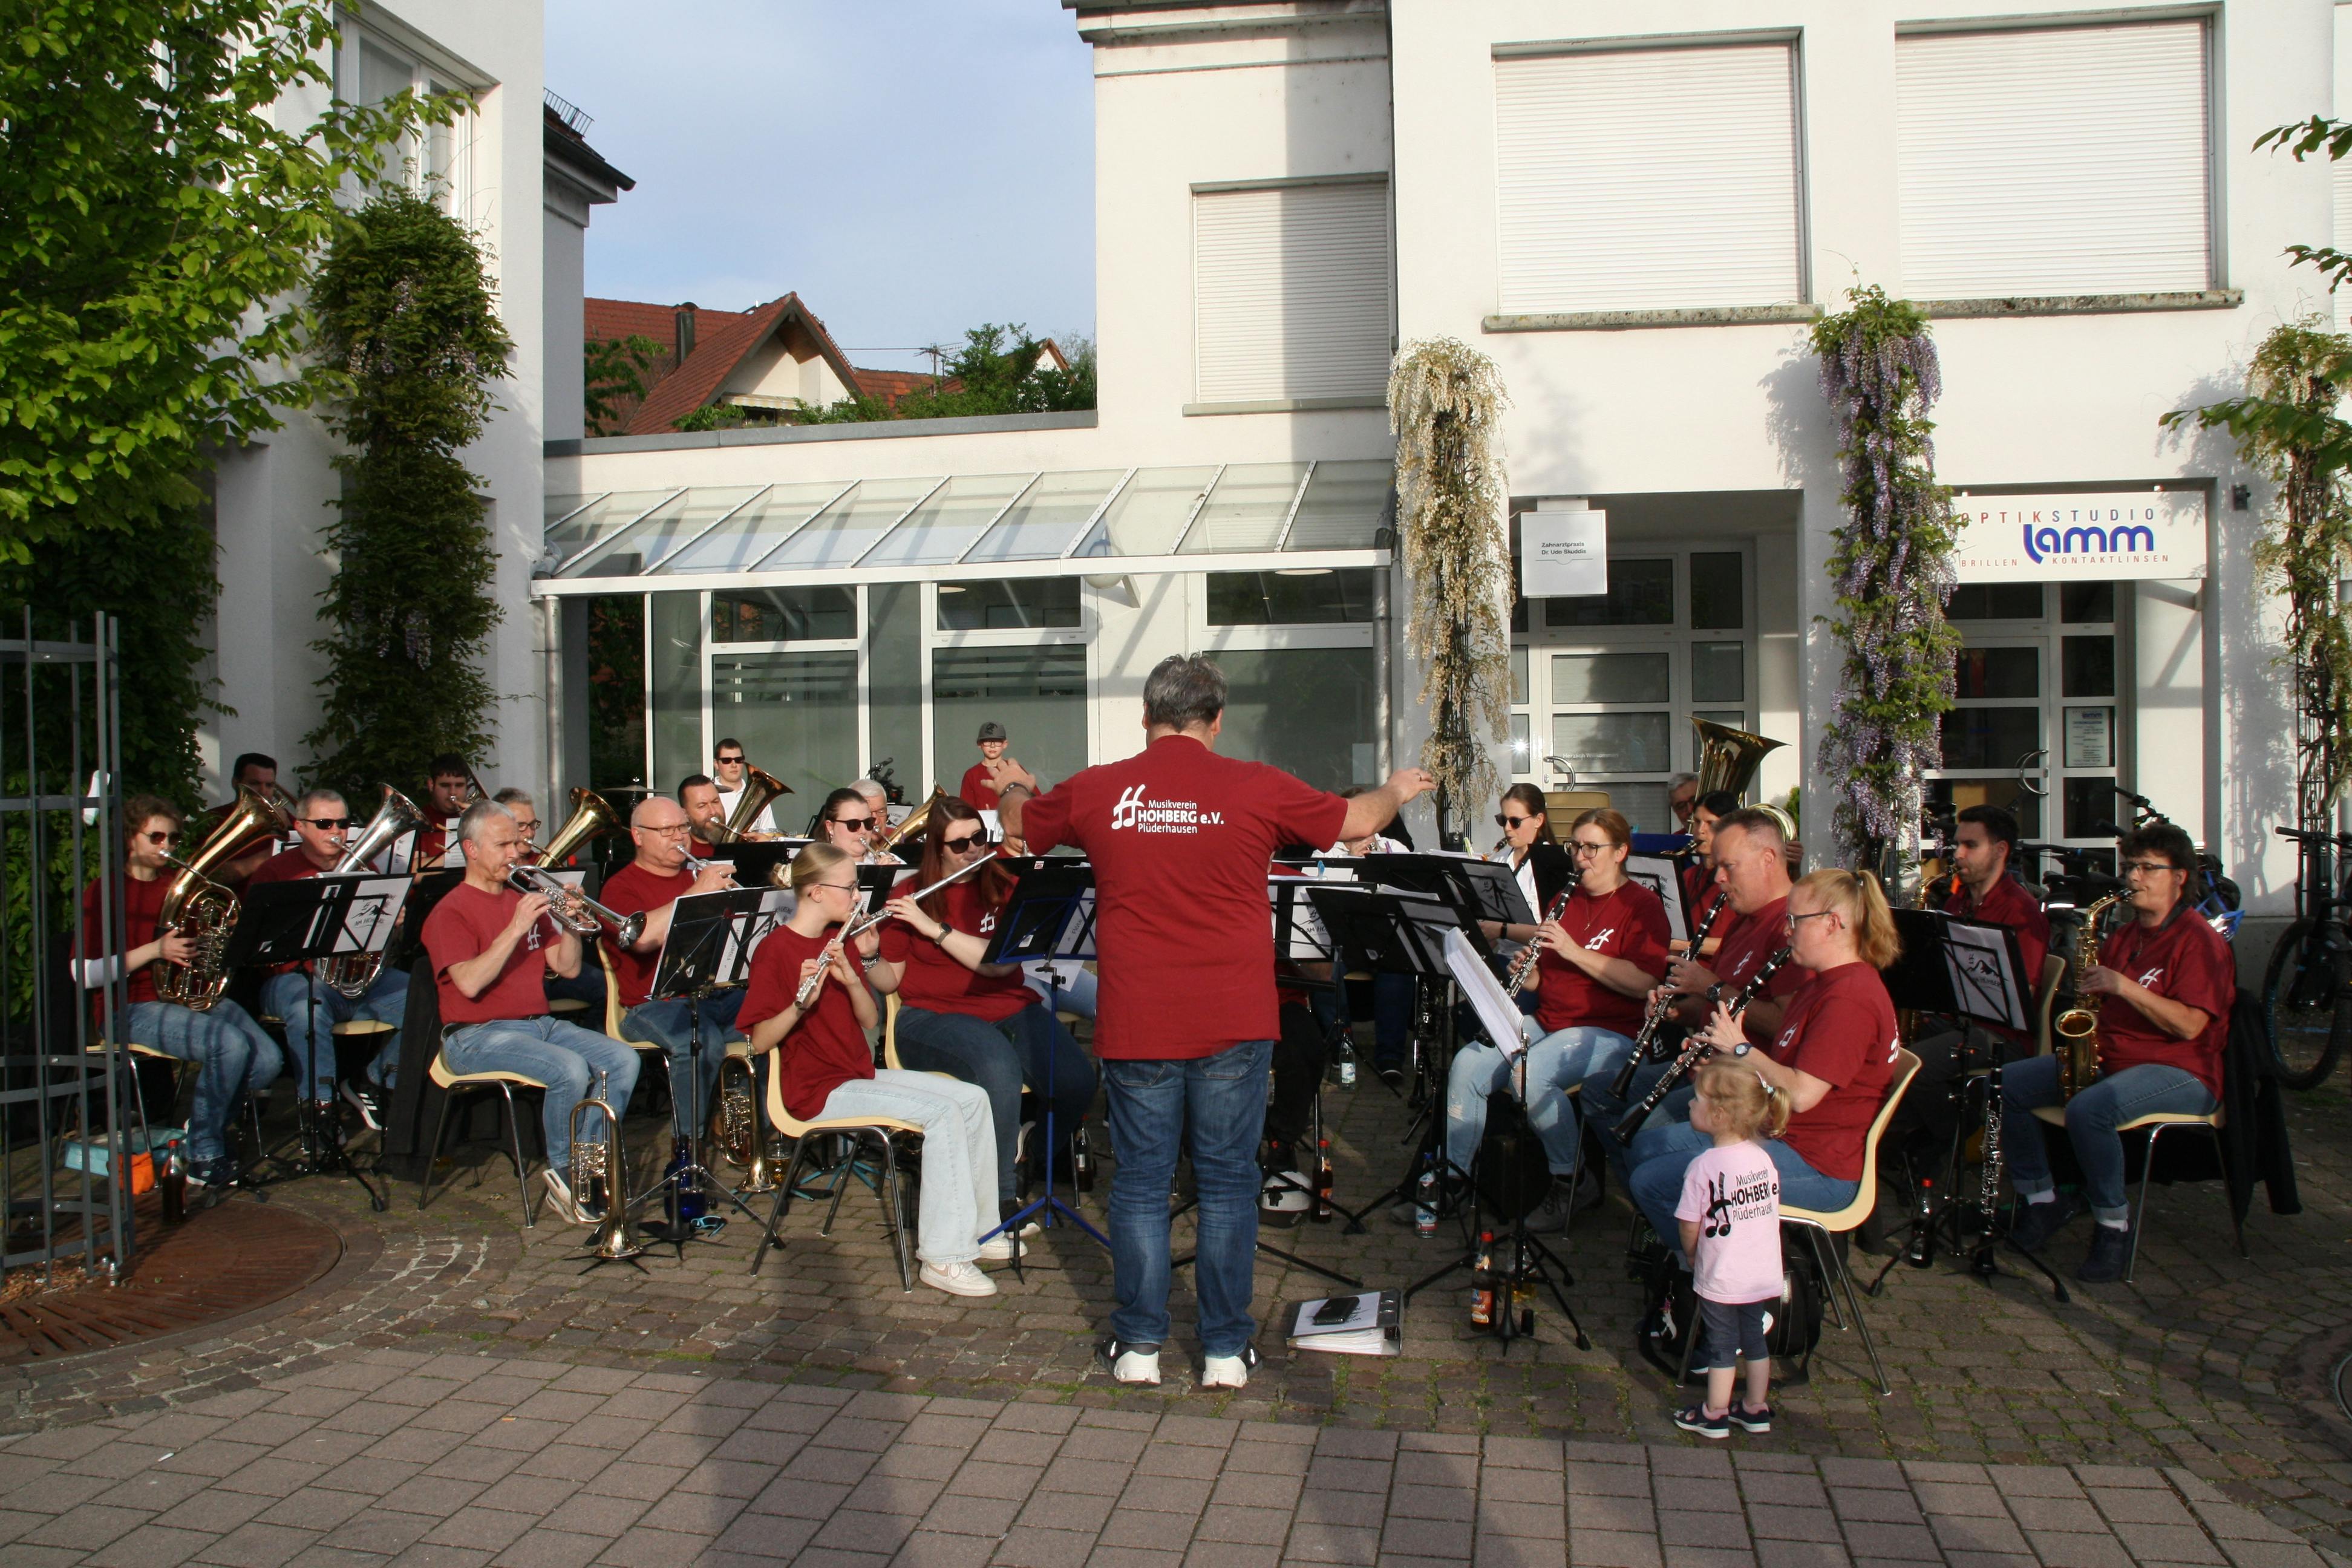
{"points": [[327, 824], [1502, 821], [963, 844], [161, 838], [859, 823], [736, 758]]}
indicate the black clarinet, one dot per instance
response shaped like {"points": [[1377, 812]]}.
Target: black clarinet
{"points": [[1695, 1052], [1648, 1040]]}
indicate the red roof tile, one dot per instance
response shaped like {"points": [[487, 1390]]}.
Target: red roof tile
{"points": [[718, 348]]}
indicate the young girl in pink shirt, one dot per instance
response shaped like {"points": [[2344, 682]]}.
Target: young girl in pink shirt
{"points": [[1730, 1221]]}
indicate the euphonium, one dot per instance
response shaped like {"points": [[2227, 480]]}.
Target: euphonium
{"points": [[2074, 1034], [1728, 757], [204, 910], [760, 787], [916, 820], [736, 1124], [592, 817], [352, 974], [600, 1177]]}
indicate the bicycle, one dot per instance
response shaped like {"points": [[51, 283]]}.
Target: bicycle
{"points": [[2307, 984]]}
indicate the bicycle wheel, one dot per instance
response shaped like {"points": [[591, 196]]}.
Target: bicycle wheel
{"points": [[2307, 1002]]}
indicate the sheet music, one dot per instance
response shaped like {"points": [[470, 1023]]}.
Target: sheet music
{"points": [[374, 910], [1662, 876], [1976, 956], [1495, 1010], [744, 936]]}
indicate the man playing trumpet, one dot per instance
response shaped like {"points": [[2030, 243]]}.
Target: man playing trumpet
{"points": [[654, 882], [492, 947]]}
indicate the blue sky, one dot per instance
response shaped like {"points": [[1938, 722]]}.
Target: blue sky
{"points": [[912, 167]]}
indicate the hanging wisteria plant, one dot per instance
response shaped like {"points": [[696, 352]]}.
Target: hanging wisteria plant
{"points": [[1445, 404], [1892, 570]]}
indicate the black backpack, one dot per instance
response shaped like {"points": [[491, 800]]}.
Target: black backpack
{"points": [[1670, 1312]]}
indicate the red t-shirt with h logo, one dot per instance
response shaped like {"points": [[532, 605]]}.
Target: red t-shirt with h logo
{"points": [[463, 925], [1627, 922], [1180, 839], [2184, 960], [1840, 1029], [632, 890], [935, 982]]}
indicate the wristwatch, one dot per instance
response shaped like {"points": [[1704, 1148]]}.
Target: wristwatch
{"points": [[939, 938], [1742, 1048], [1714, 993]]}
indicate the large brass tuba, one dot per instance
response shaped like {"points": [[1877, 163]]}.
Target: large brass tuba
{"points": [[916, 820], [2074, 1034], [591, 816], [1728, 757], [352, 974], [738, 1124], [204, 910], [760, 787]]}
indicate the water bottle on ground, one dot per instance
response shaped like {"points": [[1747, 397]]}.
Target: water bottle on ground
{"points": [[1425, 1199]]}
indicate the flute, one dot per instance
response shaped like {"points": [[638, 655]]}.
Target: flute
{"points": [[824, 960], [854, 927]]}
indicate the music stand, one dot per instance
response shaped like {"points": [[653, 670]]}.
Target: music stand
{"points": [[301, 922], [1973, 971], [754, 862], [1049, 914], [702, 954]]}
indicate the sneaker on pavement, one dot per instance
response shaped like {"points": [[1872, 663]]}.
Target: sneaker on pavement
{"points": [[1229, 1371], [958, 1278], [2034, 1224], [368, 1100], [1695, 1419], [560, 1201], [1551, 1215], [1130, 1363], [219, 1172], [1750, 1417], [2110, 1249], [1392, 1076], [997, 1249]]}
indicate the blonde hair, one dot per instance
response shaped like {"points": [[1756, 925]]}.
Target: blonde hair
{"points": [[1858, 895], [813, 862], [1741, 1102], [1612, 823]]}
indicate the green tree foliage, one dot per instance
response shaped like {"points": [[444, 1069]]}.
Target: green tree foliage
{"points": [[618, 371], [157, 230], [999, 370], [405, 312]]}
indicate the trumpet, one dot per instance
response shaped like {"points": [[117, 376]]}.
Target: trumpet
{"points": [[575, 908]]}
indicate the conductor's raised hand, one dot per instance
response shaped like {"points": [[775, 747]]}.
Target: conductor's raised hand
{"points": [[1411, 782]]}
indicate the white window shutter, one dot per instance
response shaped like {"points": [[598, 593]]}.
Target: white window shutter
{"points": [[2053, 161], [1648, 179], [1291, 293]]}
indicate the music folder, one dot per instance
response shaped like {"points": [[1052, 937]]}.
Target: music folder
{"points": [[1968, 969]]}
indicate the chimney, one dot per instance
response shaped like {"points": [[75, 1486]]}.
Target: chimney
{"points": [[685, 343]]}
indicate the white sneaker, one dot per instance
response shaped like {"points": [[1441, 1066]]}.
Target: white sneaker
{"points": [[559, 1202], [1130, 1363], [1228, 1371], [996, 1248], [957, 1278]]}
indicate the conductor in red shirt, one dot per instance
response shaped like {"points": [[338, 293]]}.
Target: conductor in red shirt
{"points": [[2163, 986], [1180, 839]]}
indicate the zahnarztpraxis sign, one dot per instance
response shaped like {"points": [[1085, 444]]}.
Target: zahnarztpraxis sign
{"points": [[2102, 537]]}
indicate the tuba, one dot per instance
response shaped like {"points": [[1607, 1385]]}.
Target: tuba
{"points": [[760, 787], [916, 820], [736, 1124], [204, 910], [2074, 1034], [1728, 757], [352, 974], [592, 817], [600, 1178]]}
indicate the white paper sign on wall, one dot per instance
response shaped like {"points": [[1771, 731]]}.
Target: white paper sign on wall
{"points": [[2099, 537], [1563, 554]]}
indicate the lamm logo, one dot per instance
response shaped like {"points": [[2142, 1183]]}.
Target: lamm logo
{"points": [[2116, 534]]}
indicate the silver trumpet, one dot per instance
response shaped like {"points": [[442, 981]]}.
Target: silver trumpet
{"points": [[600, 1169], [575, 908]]}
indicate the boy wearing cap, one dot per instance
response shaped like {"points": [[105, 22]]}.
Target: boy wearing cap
{"points": [[994, 770]]}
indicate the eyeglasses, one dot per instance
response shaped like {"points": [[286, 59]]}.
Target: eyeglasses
{"points": [[1585, 847], [964, 844], [1511, 822], [159, 838], [837, 887], [327, 824], [855, 823], [1795, 919], [670, 830], [2149, 867]]}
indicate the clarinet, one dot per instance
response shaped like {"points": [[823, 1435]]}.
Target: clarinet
{"points": [[1646, 1041], [1693, 1053], [1525, 964], [1988, 1185]]}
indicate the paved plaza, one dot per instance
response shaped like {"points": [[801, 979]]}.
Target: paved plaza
{"points": [[455, 1390]]}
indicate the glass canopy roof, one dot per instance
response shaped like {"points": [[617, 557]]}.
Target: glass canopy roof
{"points": [[971, 520]]}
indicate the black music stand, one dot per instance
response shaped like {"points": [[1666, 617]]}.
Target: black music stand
{"points": [[301, 922], [1050, 914], [1974, 972], [1289, 936], [754, 861], [703, 954]]}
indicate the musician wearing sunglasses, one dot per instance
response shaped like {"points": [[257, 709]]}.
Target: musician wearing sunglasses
{"points": [[979, 1021], [726, 761], [2163, 988], [1541, 866], [848, 824], [827, 1070], [233, 1056], [652, 883], [310, 1007], [492, 947]]}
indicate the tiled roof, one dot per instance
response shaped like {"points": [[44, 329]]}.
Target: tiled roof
{"points": [[887, 386], [718, 348], [606, 319]]}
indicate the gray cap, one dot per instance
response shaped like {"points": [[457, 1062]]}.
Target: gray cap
{"points": [[991, 731]]}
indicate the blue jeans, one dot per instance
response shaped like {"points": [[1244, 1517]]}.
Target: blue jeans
{"points": [[1392, 999], [290, 997], [564, 1057], [1031, 1047], [234, 1055], [1662, 1151], [669, 1025], [1603, 1110], [2091, 1118], [1554, 1063], [1217, 1106], [955, 1201]]}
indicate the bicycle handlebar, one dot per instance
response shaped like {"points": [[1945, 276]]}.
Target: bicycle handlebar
{"points": [[2308, 836]]}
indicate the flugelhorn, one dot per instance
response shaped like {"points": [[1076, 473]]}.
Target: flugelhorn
{"points": [[204, 910], [351, 974], [575, 908], [600, 1168], [738, 1124]]}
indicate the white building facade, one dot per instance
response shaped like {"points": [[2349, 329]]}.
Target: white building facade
{"points": [[1636, 210]]}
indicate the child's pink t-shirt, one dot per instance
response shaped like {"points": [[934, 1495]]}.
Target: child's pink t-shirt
{"points": [[1734, 1192]]}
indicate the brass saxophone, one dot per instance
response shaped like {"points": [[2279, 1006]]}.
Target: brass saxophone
{"points": [[2074, 1032], [204, 910]]}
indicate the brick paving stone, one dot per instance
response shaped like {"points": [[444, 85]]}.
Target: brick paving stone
{"points": [[1356, 1545], [1612, 1549]]}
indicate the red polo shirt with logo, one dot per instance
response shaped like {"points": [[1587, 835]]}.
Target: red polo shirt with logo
{"points": [[1748, 940], [935, 982], [1840, 1028], [1629, 922], [1180, 839], [2184, 960]]}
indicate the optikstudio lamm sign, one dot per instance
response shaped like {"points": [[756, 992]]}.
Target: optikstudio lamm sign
{"points": [[2100, 537]]}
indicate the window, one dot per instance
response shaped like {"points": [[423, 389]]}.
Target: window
{"points": [[784, 615], [1295, 598], [1038, 691], [796, 714], [439, 160], [1000, 604], [1648, 179], [1306, 711], [2049, 161], [1290, 291]]}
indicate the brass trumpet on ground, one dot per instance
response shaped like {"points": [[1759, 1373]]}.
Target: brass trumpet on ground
{"points": [[352, 974], [205, 910], [738, 1124]]}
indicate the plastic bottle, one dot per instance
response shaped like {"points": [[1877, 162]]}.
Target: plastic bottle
{"points": [[1523, 1280], [1323, 1181], [1347, 1064], [1425, 1199], [1081, 1160], [691, 1203], [1482, 1282], [1921, 1253]]}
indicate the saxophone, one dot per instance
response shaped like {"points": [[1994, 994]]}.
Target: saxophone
{"points": [[2075, 1032], [205, 910]]}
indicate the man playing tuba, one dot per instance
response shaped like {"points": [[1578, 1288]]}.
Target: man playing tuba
{"points": [[232, 1053]]}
